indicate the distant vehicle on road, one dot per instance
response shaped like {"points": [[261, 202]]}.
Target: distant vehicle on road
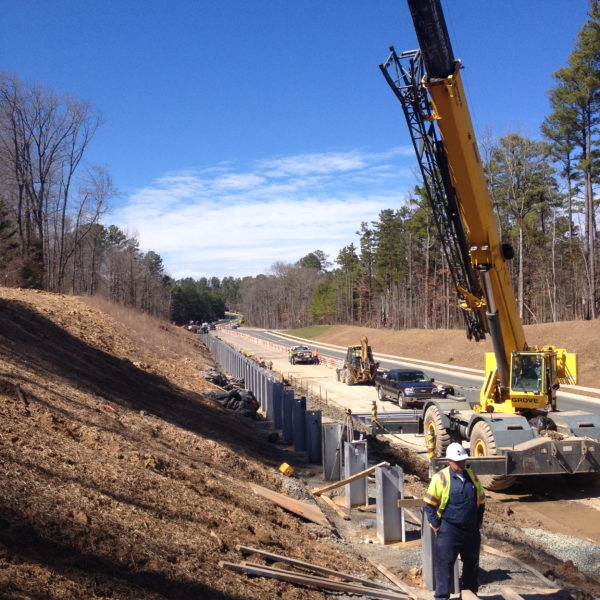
{"points": [[409, 387], [302, 355]]}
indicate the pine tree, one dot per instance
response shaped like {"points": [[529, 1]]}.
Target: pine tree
{"points": [[523, 185], [365, 288], [347, 275], [575, 101]]}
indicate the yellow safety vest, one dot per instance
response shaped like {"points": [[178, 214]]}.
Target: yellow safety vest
{"points": [[438, 491]]}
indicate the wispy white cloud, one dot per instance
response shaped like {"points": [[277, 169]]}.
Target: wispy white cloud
{"points": [[226, 221], [312, 164]]}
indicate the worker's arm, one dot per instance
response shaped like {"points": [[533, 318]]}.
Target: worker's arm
{"points": [[482, 499], [432, 517], [432, 501], [480, 512]]}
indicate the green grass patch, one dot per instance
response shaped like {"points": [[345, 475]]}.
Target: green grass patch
{"points": [[309, 333]]}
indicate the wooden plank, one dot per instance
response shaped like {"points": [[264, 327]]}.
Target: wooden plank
{"points": [[318, 582], [413, 593], [338, 509], [410, 502], [410, 544], [468, 595], [308, 566], [337, 484], [413, 518], [365, 584], [510, 594], [534, 590], [533, 571], [308, 511]]}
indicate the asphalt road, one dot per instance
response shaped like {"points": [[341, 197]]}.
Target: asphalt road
{"points": [[465, 383]]}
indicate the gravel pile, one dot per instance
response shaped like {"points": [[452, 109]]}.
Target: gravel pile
{"points": [[584, 555]]}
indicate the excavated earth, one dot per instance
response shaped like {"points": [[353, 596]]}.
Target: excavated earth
{"points": [[120, 479]]}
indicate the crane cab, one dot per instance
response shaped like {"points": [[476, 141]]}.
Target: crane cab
{"points": [[535, 376]]}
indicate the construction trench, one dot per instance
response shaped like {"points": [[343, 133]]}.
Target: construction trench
{"points": [[520, 558]]}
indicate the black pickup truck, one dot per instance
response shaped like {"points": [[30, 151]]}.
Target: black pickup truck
{"points": [[409, 387]]}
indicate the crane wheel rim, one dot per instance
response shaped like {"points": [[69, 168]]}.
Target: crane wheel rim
{"points": [[480, 448], [431, 429]]}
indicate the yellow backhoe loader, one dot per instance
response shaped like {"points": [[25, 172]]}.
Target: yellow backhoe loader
{"points": [[359, 366]]}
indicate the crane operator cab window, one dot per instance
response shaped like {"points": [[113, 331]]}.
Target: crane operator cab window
{"points": [[527, 372], [353, 357]]}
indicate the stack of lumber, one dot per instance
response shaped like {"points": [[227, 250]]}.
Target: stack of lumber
{"points": [[311, 575]]}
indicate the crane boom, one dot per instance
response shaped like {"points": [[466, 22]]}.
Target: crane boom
{"points": [[508, 430], [429, 86]]}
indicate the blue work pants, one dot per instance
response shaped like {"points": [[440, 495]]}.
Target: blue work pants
{"points": [[449, 543]]}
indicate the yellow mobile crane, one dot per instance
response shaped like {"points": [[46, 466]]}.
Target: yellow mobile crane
{"points": [[507, 430]]}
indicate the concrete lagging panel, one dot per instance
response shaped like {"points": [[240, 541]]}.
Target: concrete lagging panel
{"points": [[278, 405], [268, 404], [390, 518], [314, 436], [355, 461], [288, 424], [299, 422], [266, 386], [332, 451]]}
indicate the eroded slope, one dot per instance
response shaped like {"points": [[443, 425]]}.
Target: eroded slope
{"points": [[119, 479]]}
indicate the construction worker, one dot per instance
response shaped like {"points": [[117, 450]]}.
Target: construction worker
{"points": [[454, 505]]}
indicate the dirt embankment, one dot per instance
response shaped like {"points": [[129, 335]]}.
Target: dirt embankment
{"points": [[452, 346], [119, 479]]}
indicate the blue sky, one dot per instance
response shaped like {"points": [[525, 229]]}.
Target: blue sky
{"points": [[244, 132]]}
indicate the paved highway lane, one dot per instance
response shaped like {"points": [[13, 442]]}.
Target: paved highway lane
{"points": [[467, 382]]}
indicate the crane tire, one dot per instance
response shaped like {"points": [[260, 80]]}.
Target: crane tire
{"points": [[482, 443], [432, 423]]}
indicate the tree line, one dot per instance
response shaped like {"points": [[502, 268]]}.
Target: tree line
{"points": [[52, 203], [545, 203], [51, 207]]}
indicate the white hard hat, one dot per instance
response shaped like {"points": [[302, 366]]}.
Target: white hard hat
{"points": [[456, 452]]}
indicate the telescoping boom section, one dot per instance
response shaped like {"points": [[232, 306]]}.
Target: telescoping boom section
{"points": [[515, 429], [429, 86]]}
